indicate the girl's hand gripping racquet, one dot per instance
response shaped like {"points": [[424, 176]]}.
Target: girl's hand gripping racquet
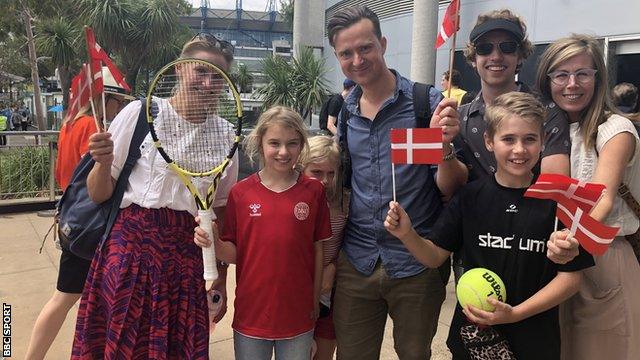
{"points": [[195, 118]]}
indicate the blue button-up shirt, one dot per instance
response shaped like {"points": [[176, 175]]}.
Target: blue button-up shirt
{"points": [[366, 240]]}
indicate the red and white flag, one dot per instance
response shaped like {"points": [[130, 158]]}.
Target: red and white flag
{"points": [[449, 24], [560, 188], [594, 236], [98, 57], [416, 146], [80, 92]]}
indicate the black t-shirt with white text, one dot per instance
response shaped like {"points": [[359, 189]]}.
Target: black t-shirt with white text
{"points": [[497, 228]]}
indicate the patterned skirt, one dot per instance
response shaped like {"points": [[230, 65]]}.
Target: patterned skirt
{"points": [[144, 297]]}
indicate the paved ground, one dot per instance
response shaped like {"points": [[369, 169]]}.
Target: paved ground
{"points": [[27, 280]]}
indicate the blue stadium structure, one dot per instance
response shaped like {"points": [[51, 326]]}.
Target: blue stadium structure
{"points": [[255, 34]]}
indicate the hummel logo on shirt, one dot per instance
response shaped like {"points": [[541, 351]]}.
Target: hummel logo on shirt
{"points": [[512, 209], [255, 208]]}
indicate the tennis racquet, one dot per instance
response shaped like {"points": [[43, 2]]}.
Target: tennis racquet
{"points": [[195, 119]]}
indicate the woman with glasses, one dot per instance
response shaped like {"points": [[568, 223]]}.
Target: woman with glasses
{"points": [[602, 321], [145, 296]]}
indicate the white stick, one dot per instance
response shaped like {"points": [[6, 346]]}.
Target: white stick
{"points": [[555, 226], [393, 180], [208, 254]]}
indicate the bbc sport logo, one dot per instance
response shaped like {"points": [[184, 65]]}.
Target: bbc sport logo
{"points": [[6, 330]]}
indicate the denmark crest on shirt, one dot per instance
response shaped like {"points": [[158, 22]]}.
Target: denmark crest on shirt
{"points": [[301, 211]]}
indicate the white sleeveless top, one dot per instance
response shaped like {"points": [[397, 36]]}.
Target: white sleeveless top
{"points": [[584, 162]]}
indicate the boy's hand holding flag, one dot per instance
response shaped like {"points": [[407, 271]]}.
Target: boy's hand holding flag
{"points": [[575, 200]]}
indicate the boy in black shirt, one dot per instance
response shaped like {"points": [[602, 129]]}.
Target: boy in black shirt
{"points": [[496, 227]]}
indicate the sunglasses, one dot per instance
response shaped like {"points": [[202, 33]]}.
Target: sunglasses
{"points": [[223, 45], [506, 47]]}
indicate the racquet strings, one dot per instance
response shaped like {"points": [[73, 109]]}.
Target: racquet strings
{"points": [[196, 111]]}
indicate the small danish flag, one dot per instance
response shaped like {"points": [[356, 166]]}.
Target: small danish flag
{"points": [[416, 146], [559, 188], [594, 236]]}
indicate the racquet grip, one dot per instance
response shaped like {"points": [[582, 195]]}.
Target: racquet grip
{"points": [[208, 254]]}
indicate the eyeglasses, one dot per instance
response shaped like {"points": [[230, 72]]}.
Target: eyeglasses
{"points": [[506, 47], [223, 45], [582, 76]]}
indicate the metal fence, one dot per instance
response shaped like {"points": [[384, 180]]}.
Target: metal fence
{"points": [[27, 163]]}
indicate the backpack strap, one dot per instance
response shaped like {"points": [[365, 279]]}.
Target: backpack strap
{"points": [[421, 104], [134, 154], [344, 147]]}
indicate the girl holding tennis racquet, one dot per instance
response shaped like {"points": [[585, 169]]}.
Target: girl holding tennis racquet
{"points": [[145, 293], [276, 221]]}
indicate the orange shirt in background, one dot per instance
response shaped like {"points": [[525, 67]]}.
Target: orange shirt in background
{"points": [[73, 142]]}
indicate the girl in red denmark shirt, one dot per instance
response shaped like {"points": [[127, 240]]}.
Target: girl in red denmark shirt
{"points": [[274, 225]]}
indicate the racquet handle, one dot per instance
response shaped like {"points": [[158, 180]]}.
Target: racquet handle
{"points": [[208, 254]]}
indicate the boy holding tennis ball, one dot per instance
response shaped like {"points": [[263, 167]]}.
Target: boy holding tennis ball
{"points": [[496, 227]]}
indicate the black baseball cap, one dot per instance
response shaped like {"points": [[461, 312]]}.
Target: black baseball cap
{"points": [[496, 24]]}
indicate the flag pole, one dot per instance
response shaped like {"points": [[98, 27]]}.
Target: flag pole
{"points": [[452, 51], [104, 105], [93, 107], [393, 180]]}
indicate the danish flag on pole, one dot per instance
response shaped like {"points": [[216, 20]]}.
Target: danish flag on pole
{"points": [[449, 24], [594, 236], [561, 188], [80, 92], [416, 146], [98, 57]]}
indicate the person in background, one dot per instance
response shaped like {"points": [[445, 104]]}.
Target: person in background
{"points": [[333, 105], [322, 162], [625, 98], [452, 81]]}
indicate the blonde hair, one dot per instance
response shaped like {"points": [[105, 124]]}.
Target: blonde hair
{"points": [[277, 115], [601, 105], [522, 105], [207, 44], [525, 48], [84, 111], [324, 148]]}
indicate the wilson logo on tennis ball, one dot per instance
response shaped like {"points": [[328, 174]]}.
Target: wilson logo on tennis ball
{"points": [[477, 285], [497, 287]]}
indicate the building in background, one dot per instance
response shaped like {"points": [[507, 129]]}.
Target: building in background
{"points": [[255, 34], [615, 22]]}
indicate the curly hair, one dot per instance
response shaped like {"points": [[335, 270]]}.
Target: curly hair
{"points": [[525, 48]]}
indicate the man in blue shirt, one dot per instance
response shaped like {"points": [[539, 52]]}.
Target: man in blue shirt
{"points": [[376, 274]]}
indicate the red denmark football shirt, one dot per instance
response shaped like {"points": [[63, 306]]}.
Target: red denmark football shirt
{"points": [[274, 234]]}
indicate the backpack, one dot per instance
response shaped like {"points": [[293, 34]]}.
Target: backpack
{"points": [[422, 111], [82, 224]]}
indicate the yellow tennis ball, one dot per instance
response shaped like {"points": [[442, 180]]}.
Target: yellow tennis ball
{"points": [[476, 285]]}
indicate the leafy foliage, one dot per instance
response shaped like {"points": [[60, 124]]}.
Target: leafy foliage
{"points": [[24, 172], [300, 84]]}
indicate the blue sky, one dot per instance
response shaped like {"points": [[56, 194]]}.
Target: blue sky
{"points": [[258, 5]]}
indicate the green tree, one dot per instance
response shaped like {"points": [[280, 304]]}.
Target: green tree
{"points": [[243, 78], [286, 9], [300, 84], [60, 39], [134, 29], [310, 83]]}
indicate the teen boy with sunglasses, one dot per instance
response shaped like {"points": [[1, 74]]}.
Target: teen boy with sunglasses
{"points": [[498, 46]]}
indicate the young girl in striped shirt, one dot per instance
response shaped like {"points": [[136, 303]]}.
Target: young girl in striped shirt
{"points": [[322, 162]]}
